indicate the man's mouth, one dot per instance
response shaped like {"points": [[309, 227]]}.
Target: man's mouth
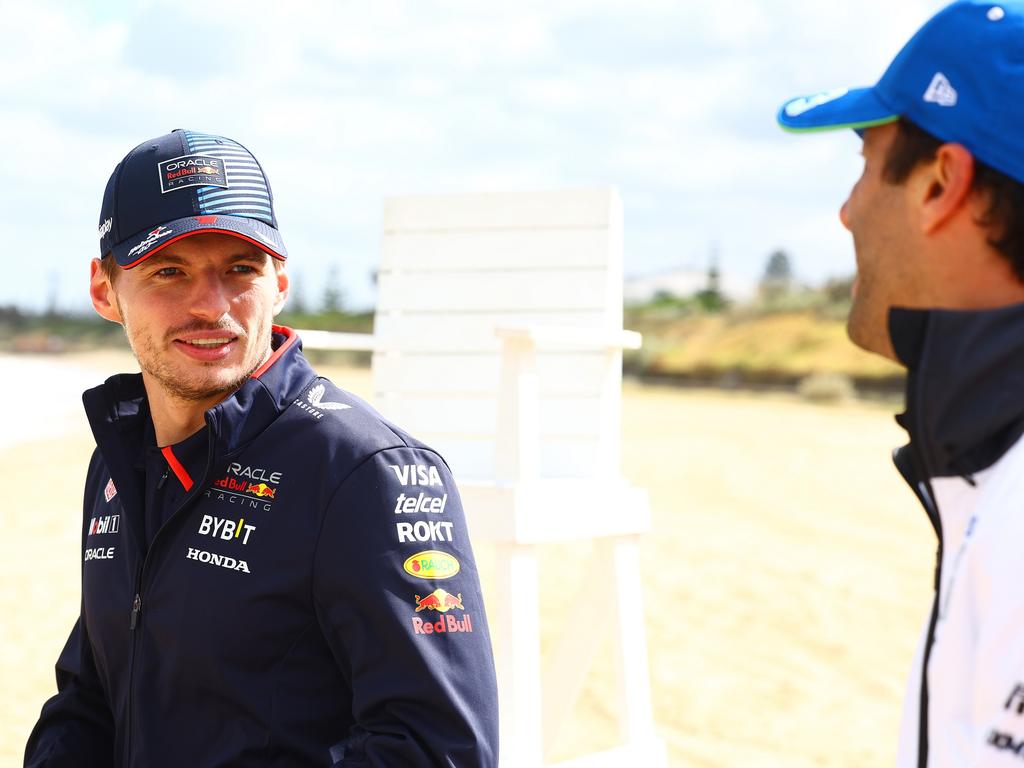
{"points": [[210, 342], [208, 346]]}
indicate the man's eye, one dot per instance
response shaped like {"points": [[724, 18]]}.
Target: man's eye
{"points": [[166, 272], [243, 268]]}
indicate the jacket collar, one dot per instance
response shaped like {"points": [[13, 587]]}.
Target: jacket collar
{"points": [[965, 385]]}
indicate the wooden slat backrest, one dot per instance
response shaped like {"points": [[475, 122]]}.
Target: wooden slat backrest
{"points": [[453, 269]]}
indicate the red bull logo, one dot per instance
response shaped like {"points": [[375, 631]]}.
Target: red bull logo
{"points": [[261, 490], [444, 625], [230, 484], [440, 601]]}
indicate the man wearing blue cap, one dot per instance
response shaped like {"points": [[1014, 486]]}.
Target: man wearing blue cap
{"points": [[272, 574], [937, 219]]}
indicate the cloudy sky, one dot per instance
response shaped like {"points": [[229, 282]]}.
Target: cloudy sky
{"points": [[346, 103]]}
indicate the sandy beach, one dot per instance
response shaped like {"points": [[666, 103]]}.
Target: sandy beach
{"points": [[786, 577]]}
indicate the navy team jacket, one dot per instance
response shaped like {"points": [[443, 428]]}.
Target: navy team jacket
{"points": [[312, 601]]}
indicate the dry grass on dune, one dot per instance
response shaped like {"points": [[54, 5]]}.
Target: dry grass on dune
{"points": [[785, 579]]}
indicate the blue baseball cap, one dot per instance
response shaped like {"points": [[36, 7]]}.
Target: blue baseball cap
{"points": [[960, 78], [186, 183]]}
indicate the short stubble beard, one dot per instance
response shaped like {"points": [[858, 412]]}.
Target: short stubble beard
{"points": [[146, 352]]}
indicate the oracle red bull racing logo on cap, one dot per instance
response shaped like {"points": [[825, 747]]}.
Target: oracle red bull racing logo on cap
{"points": [[192, 171], [431, 564]]}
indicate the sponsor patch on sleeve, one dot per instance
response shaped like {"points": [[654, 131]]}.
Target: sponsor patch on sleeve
{"points": [[441, 601], [431, 564], [110, 491]]}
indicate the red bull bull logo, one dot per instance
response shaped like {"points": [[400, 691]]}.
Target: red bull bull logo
{"points": [[261, 490], [440, 601]]}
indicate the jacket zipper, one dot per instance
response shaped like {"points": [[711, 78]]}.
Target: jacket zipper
{"points": [[136, 610], [132, 624]]}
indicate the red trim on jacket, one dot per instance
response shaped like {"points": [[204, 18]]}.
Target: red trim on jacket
{"points": [[180, 472], [290, 337]]}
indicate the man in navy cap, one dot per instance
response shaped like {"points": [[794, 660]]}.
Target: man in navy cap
{"points": [[248, 594], [937, 219]]}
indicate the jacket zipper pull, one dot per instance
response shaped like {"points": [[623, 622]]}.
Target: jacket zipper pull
{"points": [[136, 607], [163, 479]]}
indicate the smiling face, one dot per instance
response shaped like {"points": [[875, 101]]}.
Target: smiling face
{"points": [[197, 314]]}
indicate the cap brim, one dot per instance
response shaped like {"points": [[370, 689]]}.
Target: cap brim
{"points": [[140, 247], [856, 108]]}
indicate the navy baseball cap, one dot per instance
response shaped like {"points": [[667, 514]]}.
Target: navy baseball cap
{"points": [[186, 183], [960, 78]]}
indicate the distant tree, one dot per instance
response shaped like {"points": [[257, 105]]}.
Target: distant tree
{"points": [[297, 296], [837, 289], [51, 298], [710, 298], [777, 280], [714, 283], [333, 297], [778, 269]]}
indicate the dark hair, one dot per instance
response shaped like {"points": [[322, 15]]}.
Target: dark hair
{"points": [[1005, 215], [109, 267]]}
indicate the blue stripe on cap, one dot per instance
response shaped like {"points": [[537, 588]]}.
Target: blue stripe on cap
{"points": [[247, 193]]}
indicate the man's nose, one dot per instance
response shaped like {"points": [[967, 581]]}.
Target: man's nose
{"points": [[210, 299], [844, 216]]}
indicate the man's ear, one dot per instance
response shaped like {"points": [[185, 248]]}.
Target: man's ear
{"points": [[282, 287], [102, 294], [945, 186]]}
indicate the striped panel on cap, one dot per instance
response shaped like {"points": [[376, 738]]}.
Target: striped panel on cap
{"points": [[247, 193]]}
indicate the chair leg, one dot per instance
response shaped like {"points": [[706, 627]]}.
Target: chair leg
{"points": [[635, 714], [514, 616]]}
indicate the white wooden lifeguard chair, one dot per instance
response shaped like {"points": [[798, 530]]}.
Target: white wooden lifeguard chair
{"points": [[498, 340]]}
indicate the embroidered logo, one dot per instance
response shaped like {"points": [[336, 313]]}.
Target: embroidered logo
{"points": [[104, 524], [314, 398], [110, 491], [439, 600], [192, 171], [314, 404], [940, 91], [150, 240]]}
